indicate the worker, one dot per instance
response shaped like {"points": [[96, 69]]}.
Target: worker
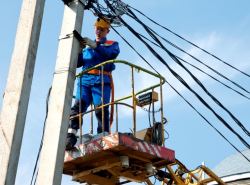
{"points": [[94, 53]]}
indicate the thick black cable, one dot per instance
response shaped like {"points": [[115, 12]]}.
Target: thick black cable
{"points": [[194, 78], [208, 122], [36, 176], [212, 77], [180, 79], [183, 98], [101, 16], [185, 84], [156, 136], [198, 69], [148, 29], [190, 42], [41, 144], [202, 63], [149, 115]]}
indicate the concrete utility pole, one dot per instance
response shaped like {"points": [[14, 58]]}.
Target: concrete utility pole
{"points": [[17, 92], [51, 162]]}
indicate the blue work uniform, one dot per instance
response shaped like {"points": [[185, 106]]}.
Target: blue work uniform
{"points": [[91, 89]]}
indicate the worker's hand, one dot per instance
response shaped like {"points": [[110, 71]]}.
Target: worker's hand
{"points": [[81, 47], [89, 42]]}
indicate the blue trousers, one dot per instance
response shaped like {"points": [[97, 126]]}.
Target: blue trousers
{"points": [[89, 94]]}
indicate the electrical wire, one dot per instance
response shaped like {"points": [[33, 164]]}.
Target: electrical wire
{"points": [[208, 122], [175, 46], [176, 90], [198, 69], [212, 77], [182, 80], [190, 42], [149, 115], [156, 136], [41, 144], [201, 62]]}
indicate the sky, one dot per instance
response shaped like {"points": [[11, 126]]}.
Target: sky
{"points": [[220, 27]]}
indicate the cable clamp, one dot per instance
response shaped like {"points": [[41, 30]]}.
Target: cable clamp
{"points": [[67, 2], [67, 36]]}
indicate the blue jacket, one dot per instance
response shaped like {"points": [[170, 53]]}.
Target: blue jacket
{"points": [[91, 57]]}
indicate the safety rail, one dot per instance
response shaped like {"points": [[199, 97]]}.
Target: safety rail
{"points": [[116, 102]]}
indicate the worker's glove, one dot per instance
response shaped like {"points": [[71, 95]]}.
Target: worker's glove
{"points": [[89, 42], [81, 47]]}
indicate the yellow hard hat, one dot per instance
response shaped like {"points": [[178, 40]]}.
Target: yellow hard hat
{"points": [[102, 23]]}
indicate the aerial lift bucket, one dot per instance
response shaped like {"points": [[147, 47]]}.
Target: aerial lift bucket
{"points": [[107, 159]]}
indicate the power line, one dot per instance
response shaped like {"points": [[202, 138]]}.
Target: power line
{"points": [[190, 42], [175, 74], [198, 69], [178, 77], [41, 144], [178, 62]]}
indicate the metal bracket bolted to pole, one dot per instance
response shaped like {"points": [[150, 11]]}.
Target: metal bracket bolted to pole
{"points": [[51, 162]]}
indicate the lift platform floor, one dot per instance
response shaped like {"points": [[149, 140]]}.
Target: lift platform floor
{"points": [[99, 162]]}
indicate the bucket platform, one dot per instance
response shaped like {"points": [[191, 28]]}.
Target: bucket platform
{"points": [[107, 159]]}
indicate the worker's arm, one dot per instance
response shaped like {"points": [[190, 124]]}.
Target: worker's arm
{"points": [[80, 61], [108, 53], [80, 57]]}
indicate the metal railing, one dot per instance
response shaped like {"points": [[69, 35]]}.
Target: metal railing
{"points": [[117, 102]]}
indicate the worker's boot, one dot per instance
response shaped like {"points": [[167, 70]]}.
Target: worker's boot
{"points": [[71, 141], [68, 145], [74, 124]]}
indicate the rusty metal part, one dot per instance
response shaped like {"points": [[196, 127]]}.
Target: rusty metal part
{"points": [[133, 102], [99, 160], [153, 109], [91, 129], [162, 118], [145, 134], [149, 182], [80, 111], [103, 125], [183, 176], [116, 113]]}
